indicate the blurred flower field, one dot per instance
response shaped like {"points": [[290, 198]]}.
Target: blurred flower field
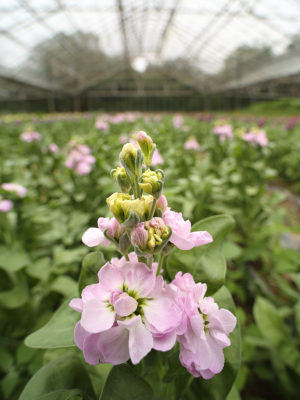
{"points": [[55, 178]]}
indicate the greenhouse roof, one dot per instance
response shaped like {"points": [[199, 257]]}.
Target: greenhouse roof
{"points": [[143, 33]]}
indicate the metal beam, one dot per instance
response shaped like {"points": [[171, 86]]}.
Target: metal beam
{"points": [[164, 34], [124, 31]]}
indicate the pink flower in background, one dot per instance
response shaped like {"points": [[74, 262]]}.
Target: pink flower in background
{"points": [[5, 205], [53, 148], [206, 328], [256, 138], [177, 121], [14, 188], [129, 312], [80, 159], [223, 131], [101, 125], [94, 236], [157, 158], [182, 237], [30, 136], [192, 144], [123, 138]]}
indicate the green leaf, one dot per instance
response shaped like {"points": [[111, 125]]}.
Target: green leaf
{"points": [[13, 259], [123, 383], [91, 264], [61, 379], [58, 332], [15, 297], [65, 285], [206, 263], [9, 383], [220, 385], [269, 321], [40, 269]]}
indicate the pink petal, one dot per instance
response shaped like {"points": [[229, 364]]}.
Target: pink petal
{"points": [[164, 342], [125, 305], [161, 314], [207, 374], [93, 236], [113, 345], [91, 350], [139, 278], [110, 277], [140, 339], [97, 316], [181, 242], [79, 335], [76, 304], [223, 320], [199, 238], [220, 338]]}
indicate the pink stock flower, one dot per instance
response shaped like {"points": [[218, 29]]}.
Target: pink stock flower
{"points": [[80, 159], [129, 312], [192, 144], [101, 125], [94, 236], [177, 121], [157, 158], [182, 237], [223, 131], [207, 328], [30, 136], [255, 138], [14, 188], [123, 138], [53, 148], [5, 205]]}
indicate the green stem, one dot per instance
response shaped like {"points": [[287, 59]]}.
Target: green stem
{"points": [[126, 256], [160, 263], [149, 261], [138, 189], [153, 208]]}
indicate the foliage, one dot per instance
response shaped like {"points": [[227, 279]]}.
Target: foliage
{"points": [[41, 252]]}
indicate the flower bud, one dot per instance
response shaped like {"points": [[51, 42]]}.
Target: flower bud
{"points": [[162, 203], [151, 182], [150, 237], [124, 208], [121, 178], [139, 236], [147, 146], [124, 243], [137, 206], [132, 159], [115, 202]]}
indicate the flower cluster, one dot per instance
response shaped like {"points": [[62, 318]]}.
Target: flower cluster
{"points": [[30, 136], [133, 309], [192, 144], [101, 124], [5, 205], [80, 159], [223, 131], [15, 188], [256, 138]]}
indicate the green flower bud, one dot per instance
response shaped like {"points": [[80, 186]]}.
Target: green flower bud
{"points": [[151, 182], [124, 207], [150, 237], [132, 160], [121, 178], [147, 146], [115, 202], [138, 206]]}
